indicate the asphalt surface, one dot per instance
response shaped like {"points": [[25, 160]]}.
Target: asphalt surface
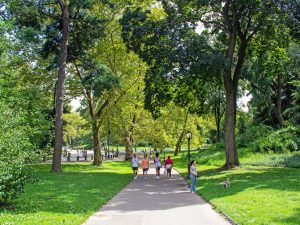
{"points": [[157, 202]]}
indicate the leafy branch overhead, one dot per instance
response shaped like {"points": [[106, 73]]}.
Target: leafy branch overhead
{"points": [[180, 61]]}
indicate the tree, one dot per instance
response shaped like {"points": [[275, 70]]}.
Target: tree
{"points": [[75, 127], [180, 52], [24, 105], [58, 26], [98, 82], [32, 15]]}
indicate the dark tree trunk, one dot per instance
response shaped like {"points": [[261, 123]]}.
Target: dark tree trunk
{"points": [[229, 134], [97, 150], [218, 138], [218, 114], [56, 164], [231, 87]]}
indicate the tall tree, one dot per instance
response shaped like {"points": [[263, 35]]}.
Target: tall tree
{"points": [[178, 50], [65, 20], [57, 25]]}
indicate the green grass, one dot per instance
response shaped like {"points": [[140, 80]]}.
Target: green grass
{"points": [[69, 197], [260, 195]]}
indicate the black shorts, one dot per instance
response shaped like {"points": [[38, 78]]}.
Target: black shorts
{"points": [[145, 169], [134, 168]]}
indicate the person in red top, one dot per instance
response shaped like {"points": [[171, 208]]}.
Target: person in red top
{"points": [[168, 166]]}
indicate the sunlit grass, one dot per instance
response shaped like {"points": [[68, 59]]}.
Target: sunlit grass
{"points": [[69, 197], [257, 195]]}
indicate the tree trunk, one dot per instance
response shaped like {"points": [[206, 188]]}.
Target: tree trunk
{"points": [[178, 144], [129, 136], [277, 105], [229, 129], [56, 163], [218, 129], [129, 145], [97, 150]]}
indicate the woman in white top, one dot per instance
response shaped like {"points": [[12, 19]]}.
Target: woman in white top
{"points": [[157, 164], [135, 165]]}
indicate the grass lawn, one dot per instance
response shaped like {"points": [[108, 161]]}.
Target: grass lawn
{"points": [[69, 197], [258, 194]]}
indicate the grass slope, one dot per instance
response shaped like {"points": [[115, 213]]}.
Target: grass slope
{"points": [[260, 195], [69, 197]]}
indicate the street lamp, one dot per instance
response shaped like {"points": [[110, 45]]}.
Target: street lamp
{"points": [[108, 133], [164, 146], [189, 137]]}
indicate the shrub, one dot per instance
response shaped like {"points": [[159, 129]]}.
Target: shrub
{"points": [[15, 148], [280, 141], [253, 133]]}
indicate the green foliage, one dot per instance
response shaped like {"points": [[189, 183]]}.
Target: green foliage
{"points": [[273, 160], [279, 141], [74, 127], [15, 150], [99, 79], [180, 61], [263, 138], [252, 133]]}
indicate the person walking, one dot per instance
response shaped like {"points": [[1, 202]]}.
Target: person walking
{"points": [[135, 165], [193, 176], [145, 166], [168, 166], [157, 164]]}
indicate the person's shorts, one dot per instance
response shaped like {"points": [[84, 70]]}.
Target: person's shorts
{"points": [[145, 169], [134, 168]]}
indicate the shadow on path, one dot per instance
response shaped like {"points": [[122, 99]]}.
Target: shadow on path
{"points": [[151, 201]]}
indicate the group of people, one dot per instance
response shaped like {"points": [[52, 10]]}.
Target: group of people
{"points": [[157, 163], [168, 167]]}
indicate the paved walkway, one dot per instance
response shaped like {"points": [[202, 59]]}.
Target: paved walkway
{"points": [[156, 202]]}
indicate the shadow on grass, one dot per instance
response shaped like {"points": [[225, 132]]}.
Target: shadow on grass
{"points": [[291, 220], [80, 189], [267, 186], [259, 178]]}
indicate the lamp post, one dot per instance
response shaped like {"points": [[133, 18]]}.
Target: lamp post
{"points": [[108, 133], [164, 146], [189, 137]]}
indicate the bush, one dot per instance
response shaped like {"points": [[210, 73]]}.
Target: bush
{"points": [[275, 160], [12, 181], [15, 149], [253, 133], [281, 141]]}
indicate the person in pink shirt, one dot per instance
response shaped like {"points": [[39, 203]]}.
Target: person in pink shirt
{"points": [[168, 166]]}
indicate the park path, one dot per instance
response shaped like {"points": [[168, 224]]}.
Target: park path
{"points": [[156, 202]]}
